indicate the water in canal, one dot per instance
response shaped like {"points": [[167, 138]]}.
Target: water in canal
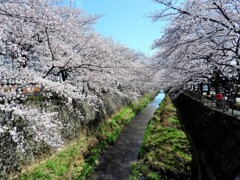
{"points": [[115, 163]]}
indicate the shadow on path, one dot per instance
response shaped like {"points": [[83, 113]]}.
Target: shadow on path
{"points": [[115, 164]]}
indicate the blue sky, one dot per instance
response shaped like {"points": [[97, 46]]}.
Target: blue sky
{"points": [[125, 21]]}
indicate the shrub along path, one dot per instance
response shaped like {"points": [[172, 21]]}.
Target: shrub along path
{"points": [[116, 160]]}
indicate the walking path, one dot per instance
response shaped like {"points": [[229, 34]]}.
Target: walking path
{"points": [[115, 164]]}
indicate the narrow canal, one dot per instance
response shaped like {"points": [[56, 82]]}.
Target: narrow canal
{"points": [[115, 164]]}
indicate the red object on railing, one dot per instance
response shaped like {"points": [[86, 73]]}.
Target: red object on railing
{"points": [[219, 96]]}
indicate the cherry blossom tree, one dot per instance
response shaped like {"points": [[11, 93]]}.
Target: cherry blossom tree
{"points": [[44, 43], [201, 41]]}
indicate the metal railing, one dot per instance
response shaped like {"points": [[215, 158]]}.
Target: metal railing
{"points": [[226, 105]]}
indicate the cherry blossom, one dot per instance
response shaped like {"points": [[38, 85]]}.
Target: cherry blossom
{"points": [[54, 48], [201, 42]]}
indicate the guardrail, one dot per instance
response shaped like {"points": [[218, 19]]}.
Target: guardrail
{"points": [[225, 106]]}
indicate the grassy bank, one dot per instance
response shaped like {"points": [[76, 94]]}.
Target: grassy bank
{"points": [[165, 153], [78, 160]]}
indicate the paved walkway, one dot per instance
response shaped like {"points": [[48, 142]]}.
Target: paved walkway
{"points": [[115, 163]]}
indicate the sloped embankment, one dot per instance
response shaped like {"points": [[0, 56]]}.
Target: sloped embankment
{"points": [[165, 153]]}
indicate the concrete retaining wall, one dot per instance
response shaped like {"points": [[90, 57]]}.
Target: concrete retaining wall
{"points": [[215, 137]]}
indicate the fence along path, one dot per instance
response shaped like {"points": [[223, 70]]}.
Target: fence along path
{"points": [[226, 107]]}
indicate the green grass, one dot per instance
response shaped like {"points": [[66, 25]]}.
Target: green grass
{"points": [[59, 166], [78, 160], [165, 152]]}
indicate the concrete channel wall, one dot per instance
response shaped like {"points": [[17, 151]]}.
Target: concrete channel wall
{"points": [[215, 138]]}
